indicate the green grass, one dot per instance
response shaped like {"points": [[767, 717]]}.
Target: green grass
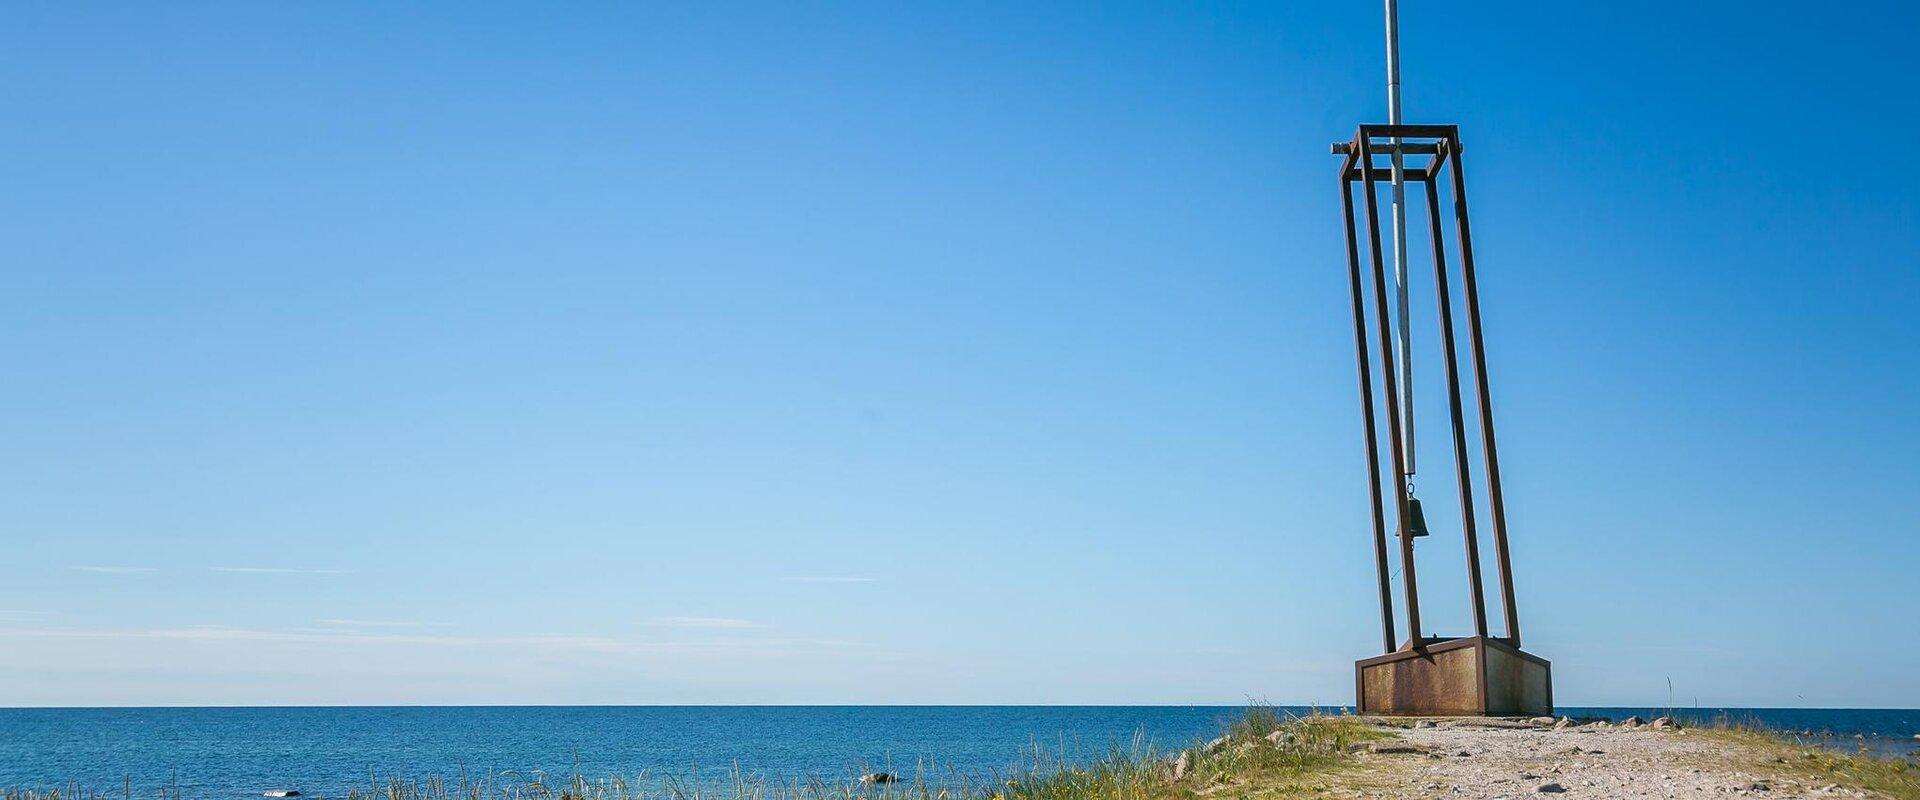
{"points": [[1243, 757], [1779, 753]]}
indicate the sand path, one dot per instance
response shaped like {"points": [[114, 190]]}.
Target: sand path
{"points": [[1451, 761]]}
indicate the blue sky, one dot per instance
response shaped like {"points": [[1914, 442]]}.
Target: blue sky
{"points": [[917, 353]]}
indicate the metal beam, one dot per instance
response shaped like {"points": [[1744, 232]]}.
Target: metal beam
{"points": [[1443, 289], [1366, 418], [1471, 285], [1411, 589]]}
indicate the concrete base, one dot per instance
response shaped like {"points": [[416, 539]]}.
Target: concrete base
{"points": [[1470, 676]]}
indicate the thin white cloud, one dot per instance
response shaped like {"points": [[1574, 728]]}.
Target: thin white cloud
{"points": [[114, 570], [829, 579], [310, 636], [370, 623], [701, 622], [280, 570]]}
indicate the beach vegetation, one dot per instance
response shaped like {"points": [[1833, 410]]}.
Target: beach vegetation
{"points": [[1816, 763]]}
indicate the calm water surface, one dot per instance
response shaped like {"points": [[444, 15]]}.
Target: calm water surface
{"points": [[231, 753]]}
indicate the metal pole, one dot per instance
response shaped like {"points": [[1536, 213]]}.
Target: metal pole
{"points": [[1366, 413], [1411, 588], [1462, 474], [1402, 334], [1471, 284]]}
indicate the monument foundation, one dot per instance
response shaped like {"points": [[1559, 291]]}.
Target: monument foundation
{"points": [[1469, 676]]}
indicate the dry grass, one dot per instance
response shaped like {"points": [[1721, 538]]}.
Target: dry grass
{"points": [[75, 792], [1777, 753]]}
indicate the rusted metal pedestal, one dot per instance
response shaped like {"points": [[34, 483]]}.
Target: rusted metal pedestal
{"points": [[1478, 674], [1470, 676]]}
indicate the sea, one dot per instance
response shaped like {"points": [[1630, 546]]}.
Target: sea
{"points": [[232, 753]]}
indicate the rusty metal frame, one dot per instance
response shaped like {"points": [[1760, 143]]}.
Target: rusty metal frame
{"points": [[1442, 144]]}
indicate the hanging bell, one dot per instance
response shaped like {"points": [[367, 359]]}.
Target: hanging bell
{"points": [[1416, 519]]}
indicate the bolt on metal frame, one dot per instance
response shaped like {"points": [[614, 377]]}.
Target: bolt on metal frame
{"points": [[1442, 144]]}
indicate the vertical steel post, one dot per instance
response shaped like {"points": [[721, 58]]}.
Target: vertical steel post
{"points": [[1411, 589], [1443, 288], [1366, 414], [1472, 291], [1403, 335]]}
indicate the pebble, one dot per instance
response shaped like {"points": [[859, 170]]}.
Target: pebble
{"points": [[1550, 788]]}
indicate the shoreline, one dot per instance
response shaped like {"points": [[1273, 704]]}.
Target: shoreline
{"points": [[1264, 753]]}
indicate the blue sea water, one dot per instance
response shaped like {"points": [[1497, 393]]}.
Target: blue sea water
{"points": [[231, 753]]}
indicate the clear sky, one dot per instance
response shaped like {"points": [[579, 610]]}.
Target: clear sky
{"points": [[921, 353]]}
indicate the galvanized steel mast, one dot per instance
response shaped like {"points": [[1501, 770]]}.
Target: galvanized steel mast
{"points": [[1403, 343]]}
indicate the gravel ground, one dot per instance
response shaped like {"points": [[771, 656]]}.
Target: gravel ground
{"points": [[1452, 761]]}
